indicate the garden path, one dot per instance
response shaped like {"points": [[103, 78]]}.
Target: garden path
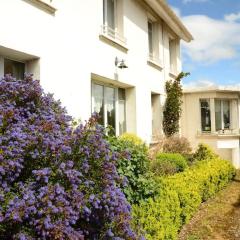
{"points": [[218, 218]]}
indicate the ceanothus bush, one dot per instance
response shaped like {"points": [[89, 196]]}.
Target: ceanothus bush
{"points": [[56, 181]]}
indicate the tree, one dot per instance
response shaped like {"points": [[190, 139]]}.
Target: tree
{"points": [[172, 109]]}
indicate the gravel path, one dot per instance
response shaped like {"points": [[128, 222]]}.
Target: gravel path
{"points": [[218, 218]]}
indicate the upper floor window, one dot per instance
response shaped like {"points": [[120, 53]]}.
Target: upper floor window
{"points": [[153, 41], [113, 20], [109, 14], [222, 114], [173, 55], [16, 69], [205, 115]]}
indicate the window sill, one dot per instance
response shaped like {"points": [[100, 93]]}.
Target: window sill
{"points": [[155, 64], [42, 5], [113, 38], [113, 42]]}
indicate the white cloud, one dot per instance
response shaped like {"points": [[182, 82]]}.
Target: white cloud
{"points": [[203, 84], [197, 1], [232, 17], [176, 10], [214, 40]]}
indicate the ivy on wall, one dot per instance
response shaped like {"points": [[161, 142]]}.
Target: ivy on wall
{"points": [[172, 109]]}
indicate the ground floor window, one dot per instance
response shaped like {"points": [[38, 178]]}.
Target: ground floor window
{"points": [[205, 115], [109, 103], [16, 69], [222, 114]]}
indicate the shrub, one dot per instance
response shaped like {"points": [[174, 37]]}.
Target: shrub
{"points": [[131, 137], [56, 182], [133, 165], [203, 152], [179, 197], [168, 163], [172, 145]]}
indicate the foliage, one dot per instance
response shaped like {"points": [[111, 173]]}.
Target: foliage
{"points": [[56, 182], [172, 145], [132, 138], [203, 152], [179, 197], [168, 164], [133, 165], [172, 109]]}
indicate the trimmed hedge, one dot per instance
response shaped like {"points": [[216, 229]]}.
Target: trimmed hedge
{"points": [[133, 166], [168, 163], [179, 197]]}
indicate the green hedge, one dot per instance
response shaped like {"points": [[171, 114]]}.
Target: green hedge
{"points": [[179, 197], [168, 163]]}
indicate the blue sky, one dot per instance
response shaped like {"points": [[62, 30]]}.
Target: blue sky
{"points": [[213, 58]]}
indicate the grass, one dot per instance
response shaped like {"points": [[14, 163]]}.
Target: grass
{"points": [[218, 218]]}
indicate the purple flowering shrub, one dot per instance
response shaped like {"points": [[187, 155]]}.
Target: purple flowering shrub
{"points": [[56, 181]]}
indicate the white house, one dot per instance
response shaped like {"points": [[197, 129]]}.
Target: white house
{"points": [[108, 56], [211, 115]]}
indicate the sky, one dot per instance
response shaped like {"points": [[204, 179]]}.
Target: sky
{"points": [[213, 57]]}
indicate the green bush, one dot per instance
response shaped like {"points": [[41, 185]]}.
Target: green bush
{"points": [[179, 197], [168, 164], [203, 152], [172, 145], [131, 137], [133, 165]]}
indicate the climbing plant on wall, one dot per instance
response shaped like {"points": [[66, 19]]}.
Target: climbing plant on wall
{"points": [[172, 109]]}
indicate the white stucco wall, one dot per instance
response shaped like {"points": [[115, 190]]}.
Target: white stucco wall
{"points": [[69, 54], [227, 144]]}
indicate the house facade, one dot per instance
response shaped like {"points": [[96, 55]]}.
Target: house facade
{"points": [[212, 116], [112, 57]]}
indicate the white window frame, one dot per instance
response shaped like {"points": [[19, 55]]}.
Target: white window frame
{"points": [[104, 101], [222, 114]]}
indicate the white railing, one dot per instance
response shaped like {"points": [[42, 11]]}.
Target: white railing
{"points": [[223, 132], [113, 34]]}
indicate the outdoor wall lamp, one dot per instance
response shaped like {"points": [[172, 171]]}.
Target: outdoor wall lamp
{"points": [[120, 63]]}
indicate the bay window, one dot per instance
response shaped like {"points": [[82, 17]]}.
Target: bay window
{"points": [[205, 115], [222, 114]]}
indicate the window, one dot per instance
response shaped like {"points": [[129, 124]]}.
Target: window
{"points": [[113, 20], [205, 115], [222, 114], [153, 41], [122, 110], [109, 103], [109, 13], [172, 56], [150, 38], [16, 69]]}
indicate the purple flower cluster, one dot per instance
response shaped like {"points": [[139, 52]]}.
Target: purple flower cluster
{"points": [[56, 182]]}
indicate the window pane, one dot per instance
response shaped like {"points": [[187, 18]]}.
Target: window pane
{"points": [[16, 69], [226, 114], [122, 111], [110, 106], [150, 37], [218, 115], [110, 14], [98, 102], [205, 115]]}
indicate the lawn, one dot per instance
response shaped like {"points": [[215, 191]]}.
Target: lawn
{"points": [[218, 218]]}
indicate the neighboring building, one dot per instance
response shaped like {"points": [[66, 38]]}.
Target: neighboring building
{"points": [[79, 49], [212, 116]]}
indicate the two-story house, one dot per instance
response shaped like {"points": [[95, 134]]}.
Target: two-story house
{"points": [[106, 56], [212, 116]]}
